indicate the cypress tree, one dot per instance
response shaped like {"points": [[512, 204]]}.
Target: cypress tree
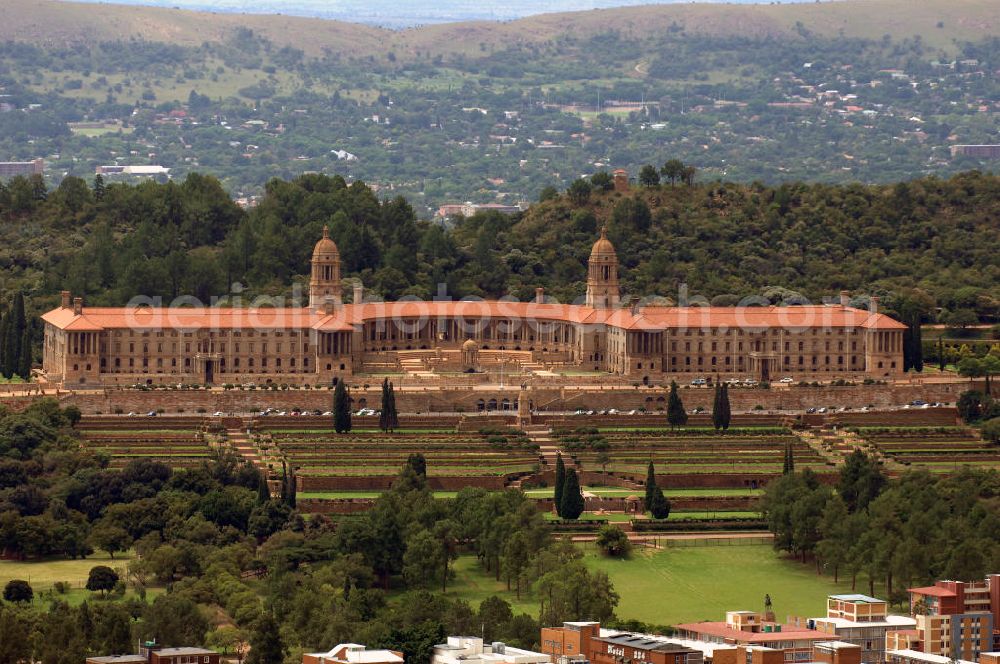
{"points": [[659, 505], [13, 338], [727, 411], [941, 362], [341, 409], [560, 483], [291, 489], [717, 407], [4, 334], [383, 416], [572, 498], [676, 415], [263, 492], [24, 361], [393, 418], [284, 481], [650, 486], [98, 187], [789, 465]]}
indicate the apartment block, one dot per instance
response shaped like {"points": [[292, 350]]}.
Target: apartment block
{"points": [[957, 619], [862, 621], [586, 640]]}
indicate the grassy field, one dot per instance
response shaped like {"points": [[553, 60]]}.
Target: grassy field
{"points": [[41, 574], [711, 580], [684, 584]]}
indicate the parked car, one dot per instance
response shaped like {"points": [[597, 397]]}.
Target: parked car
{"points": [[217, 413], [699, 381], [918, 402], [151, 413], [328, 413], [787, 379]]}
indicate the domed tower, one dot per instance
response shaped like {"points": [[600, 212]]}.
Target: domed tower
{"points": [[325, 279], [602, 274]]}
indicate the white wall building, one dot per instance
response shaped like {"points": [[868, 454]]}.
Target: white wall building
{"points": [[472, 650]]}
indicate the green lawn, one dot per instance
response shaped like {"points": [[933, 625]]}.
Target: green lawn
{"points": [[473, 585], [684, 584], [41, 574], [688, 584]]}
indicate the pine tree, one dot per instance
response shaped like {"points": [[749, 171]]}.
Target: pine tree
{"points": [[717, 407], [727, 411], [650, 485], [560, 483], [99, 187], [572, 498], [341, 409], [266, 646], [676, 415]]}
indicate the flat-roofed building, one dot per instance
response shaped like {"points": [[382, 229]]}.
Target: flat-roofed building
{"points": [[353, 653], [863, 621], [586, 640], [472, 650], [748, 628], [957, 619], [11, 169], [837, 652]]}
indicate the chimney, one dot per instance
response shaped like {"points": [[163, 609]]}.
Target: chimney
{"points": [[359, 292], [633, 305], [845, 298], [78, 305], [539, 295], [65, 299], [873, 304], [329, 304]]}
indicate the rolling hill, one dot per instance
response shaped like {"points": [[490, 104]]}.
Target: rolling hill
{"points": [[939, 23]]}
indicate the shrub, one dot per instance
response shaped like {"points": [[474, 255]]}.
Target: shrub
{"points": [[613, 541]]}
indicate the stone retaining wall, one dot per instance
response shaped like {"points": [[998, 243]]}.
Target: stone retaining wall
{"points": [[467, 400]]}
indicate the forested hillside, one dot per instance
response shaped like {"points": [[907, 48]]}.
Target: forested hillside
{"points": [[495, 112], [930, 242]]}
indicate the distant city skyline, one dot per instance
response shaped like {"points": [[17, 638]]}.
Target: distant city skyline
{"points": [[404, 14]]}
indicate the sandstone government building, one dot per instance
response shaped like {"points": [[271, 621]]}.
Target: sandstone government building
{"points": [[329, 339]]}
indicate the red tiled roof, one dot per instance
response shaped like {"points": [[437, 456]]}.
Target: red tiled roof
{"points": [[723, 630], [343, 318]]}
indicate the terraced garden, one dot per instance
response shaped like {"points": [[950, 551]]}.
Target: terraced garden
{"points": [[688, 450], [177, 442], [938, 449], [323, 453]]}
